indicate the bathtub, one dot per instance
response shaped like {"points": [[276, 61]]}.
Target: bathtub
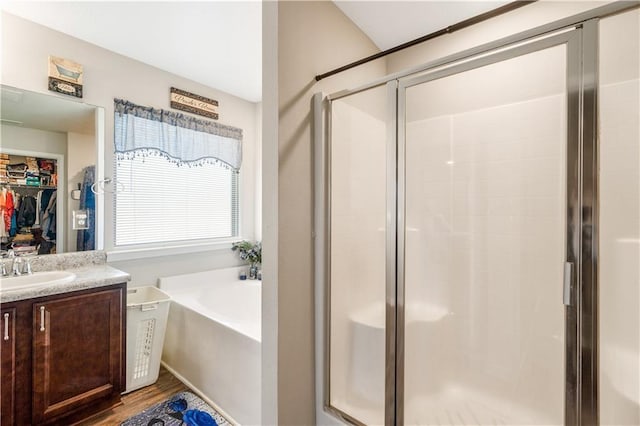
{"points": [[213, 336]]}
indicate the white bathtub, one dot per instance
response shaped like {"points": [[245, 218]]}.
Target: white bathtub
{"points": [[213, 339]]}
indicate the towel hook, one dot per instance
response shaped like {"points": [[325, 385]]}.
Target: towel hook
{"points": [[100, 185]]}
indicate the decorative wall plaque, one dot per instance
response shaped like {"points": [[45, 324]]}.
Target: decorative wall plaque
{"points": [[65, 76], [195, 104]]}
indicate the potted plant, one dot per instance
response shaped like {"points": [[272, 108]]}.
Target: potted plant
{"points": [[251, 252]]}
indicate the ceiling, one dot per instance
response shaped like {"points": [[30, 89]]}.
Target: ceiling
{"points": [[219, 43], [390, 23], [41, 111]]}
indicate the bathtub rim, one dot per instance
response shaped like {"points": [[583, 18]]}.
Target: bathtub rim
{"points": [[229, 276], [223, 323]]}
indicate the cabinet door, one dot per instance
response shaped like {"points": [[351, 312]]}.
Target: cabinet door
{"points": [[8, 367], [77, 354]]}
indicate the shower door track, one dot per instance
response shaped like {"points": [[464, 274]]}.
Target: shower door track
{"points": [[580, 33]]}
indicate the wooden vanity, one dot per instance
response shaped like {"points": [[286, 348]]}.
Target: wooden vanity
{"points": [[63, 354]]}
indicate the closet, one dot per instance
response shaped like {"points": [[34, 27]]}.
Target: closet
{"points": [[28, 203]]}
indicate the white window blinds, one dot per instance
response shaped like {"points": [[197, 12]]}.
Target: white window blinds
{"points": [[162, 198]]}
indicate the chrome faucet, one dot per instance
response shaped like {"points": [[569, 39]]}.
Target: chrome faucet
{"points": [[10, 255], [26, 266], [15, 267], [16, 264]]}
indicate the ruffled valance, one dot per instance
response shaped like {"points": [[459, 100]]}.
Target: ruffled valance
{"points": [[144, 131]]}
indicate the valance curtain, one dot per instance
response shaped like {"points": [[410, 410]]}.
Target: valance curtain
{"points": [[143, 131]]}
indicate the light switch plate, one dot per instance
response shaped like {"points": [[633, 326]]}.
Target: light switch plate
{"points": [[80, 219]]}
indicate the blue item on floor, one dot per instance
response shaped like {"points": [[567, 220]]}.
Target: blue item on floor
{"points": [[183, 408]]}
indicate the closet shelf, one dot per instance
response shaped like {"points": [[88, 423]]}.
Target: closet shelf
{"points": [[20, 185]]}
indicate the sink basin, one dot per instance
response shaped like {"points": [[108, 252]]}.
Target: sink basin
{"points": [[37, 279]]}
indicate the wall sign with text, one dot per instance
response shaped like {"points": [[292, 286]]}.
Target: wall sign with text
{"points": [[195, 104], [65, 76]]}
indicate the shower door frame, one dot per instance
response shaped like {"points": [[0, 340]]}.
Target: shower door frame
{"points": [[581, 314]]}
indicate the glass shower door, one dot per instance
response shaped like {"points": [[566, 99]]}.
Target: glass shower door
{"points": [[485, 223], [358, 162]]}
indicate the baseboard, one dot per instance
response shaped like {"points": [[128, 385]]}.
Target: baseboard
{"points": [[198, 392]]}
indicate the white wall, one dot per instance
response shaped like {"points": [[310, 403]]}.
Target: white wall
{"points": [[270, 326], [258, 176], [27, 139], [25, 50], [306, 38], [81, 151]]}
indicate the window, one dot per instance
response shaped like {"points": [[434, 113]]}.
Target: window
{"points": [[176, 177]]}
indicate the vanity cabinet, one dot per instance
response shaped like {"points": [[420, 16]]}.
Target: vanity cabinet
{"points": [[75, 364]]}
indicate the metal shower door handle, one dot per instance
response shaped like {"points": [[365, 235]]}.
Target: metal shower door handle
{"points": [[568, 279]]}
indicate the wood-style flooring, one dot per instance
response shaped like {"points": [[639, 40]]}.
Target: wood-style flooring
{"points": [[137, 401]]}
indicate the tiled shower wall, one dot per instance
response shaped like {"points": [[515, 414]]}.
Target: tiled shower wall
{"points": [[619, 250], [485, 243]]}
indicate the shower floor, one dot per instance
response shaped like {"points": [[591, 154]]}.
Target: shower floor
{"points": [[455, 406]]}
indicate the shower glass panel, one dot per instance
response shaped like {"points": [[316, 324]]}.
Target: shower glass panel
{"points": [[485, 228], [358, 211], [619, 271]]}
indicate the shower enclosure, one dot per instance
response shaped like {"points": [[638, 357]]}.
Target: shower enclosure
{"points": [[480, 214]]}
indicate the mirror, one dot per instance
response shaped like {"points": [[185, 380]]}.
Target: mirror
{"points": [[49, 148]]}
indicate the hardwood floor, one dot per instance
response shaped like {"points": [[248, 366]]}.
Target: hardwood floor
{"points": [[137, 401]]}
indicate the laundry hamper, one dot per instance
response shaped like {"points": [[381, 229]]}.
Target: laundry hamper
{"points": [[147, 312]]}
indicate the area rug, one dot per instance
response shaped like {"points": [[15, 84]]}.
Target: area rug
{"points": [[183, 408]]}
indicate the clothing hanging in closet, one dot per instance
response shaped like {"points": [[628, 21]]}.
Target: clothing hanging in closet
{"points": [[26, 212], [49, 217]]}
